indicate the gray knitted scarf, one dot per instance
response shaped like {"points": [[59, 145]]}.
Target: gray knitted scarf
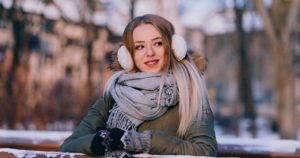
{"points": [[137, 98]]}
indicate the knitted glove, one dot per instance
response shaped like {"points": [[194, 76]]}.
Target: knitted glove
{"points": [[115, 142], [107, 140], [135, 142]]}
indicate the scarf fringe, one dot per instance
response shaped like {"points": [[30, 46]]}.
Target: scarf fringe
{"points": [[120, 120]]}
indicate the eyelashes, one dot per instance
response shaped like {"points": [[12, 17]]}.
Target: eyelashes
{"points": [[141, 46], [158, 43]]}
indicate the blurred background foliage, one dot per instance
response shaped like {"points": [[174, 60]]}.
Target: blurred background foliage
{"points": [[54, 59]]}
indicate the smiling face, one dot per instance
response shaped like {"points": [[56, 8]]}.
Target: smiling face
{"points": [[149, 53]]}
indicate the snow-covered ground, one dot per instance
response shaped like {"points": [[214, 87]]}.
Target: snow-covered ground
{"points": [[262, 144]]}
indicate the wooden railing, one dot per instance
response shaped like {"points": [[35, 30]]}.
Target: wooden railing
{"points": [[39, 143]]}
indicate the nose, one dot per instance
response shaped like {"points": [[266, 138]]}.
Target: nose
{"points": [[150, 52]]}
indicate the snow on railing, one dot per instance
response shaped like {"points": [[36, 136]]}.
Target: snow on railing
{"points": [[16, 153]]}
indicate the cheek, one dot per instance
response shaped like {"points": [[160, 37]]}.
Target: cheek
{"points": [[137, 58], [159, 51], [163, 54], [165, 57]]}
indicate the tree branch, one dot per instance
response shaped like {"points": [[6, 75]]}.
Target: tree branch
{"points": [[291, 21], [270, 31]]}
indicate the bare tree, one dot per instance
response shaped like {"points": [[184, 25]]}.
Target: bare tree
{"points": [[19, 34], [244, 70], [279, 24]]}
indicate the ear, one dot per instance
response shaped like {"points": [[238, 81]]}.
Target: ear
{"points": [[125, 59], [179, 47]]}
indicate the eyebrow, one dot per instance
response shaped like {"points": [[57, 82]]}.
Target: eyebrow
{"points": [[156, 38]]}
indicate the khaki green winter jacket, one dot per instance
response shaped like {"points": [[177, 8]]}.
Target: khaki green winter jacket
{"points": [[199, 140]]}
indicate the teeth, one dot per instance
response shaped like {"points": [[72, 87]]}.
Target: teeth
{"points": [[152, 62]]}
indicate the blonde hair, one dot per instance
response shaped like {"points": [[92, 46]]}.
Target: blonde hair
{"points": [[192, 92], [191, 86]]}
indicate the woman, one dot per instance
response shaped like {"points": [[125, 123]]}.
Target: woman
{"points": [[158, 105]]}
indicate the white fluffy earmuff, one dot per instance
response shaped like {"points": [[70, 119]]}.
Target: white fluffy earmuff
{"points": [[125, 59], [178, 45]]}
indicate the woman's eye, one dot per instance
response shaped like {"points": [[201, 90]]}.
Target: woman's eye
{"points": [[158, 44], [139, 47]]}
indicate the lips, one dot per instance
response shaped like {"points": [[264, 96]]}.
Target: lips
{"points": [[151, 63]]}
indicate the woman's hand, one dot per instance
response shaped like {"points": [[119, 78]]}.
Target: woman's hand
{"points": [[107, 140], [117, 139]]}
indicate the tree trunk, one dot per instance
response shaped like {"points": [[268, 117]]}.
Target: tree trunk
{"points": [[18, 27], [245, 88], [284, 85], [279, 26]]}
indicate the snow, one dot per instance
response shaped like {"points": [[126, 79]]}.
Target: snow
{"points": [[262, 144], [34, 153], [37, 136]]}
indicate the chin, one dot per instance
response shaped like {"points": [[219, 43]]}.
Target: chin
{"points": [[152, 70]]}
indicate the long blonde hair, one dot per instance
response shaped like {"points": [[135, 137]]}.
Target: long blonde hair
{"points": [[192, 92]]}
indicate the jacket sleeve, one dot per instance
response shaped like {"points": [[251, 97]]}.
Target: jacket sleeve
{"points": [[82, 136], [199, 140]]}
